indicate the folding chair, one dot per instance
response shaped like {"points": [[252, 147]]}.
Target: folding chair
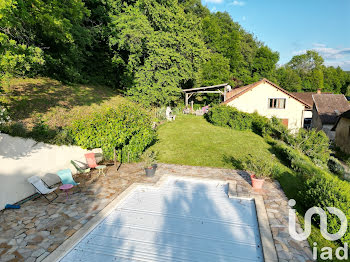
{"points": [[66, 177], [41, 187], [91, 161], [80, 169]]}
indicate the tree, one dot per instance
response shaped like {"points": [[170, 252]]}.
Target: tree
{"points": [[264, 63], [160, 48], [309, 67], [288, 79], [216, 70], [17, 59], [306, 62]]}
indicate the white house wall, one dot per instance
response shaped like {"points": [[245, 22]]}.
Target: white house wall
{"points": [[257, 99], [22, 158]]}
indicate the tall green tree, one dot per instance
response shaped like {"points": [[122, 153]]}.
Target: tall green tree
{"points": [[160, 48], [216, 70], [288, 79]]}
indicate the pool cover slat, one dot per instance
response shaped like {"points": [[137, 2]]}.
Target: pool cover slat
{"points": [[183, 220]]}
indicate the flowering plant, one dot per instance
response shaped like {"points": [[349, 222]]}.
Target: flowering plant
{"points": [[4, 116]]}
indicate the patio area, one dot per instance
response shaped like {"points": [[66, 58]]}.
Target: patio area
{"points": [[38, 228]]}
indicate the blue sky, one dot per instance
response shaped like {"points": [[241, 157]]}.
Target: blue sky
{"points": [[291, 27]]}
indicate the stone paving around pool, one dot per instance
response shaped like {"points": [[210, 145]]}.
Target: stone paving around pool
{"points": [[34, 231]]}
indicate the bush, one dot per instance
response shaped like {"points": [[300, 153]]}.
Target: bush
{"points": [[14, 129], [259, 166], [42, 132], [228, 116], [314, 144], [4, 116], [335, 167], [127, 128], [319, 188]]}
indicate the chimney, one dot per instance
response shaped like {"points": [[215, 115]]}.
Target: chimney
{"points": [[319, 91]]}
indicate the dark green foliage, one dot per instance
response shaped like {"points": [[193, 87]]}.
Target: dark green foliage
{"points": [[149, 48], [128, 127], [307, 73], [14, 129], [216, 70], [228, 116], [335, 167], [42, 132], [319, 188], [163, 50]]}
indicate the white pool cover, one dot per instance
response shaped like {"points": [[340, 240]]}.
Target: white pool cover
{"points": [[183, 220]]}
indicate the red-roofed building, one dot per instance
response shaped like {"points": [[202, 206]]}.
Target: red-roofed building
{"points": [[268, 99]]}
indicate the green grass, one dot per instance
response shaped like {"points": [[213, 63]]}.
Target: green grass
{"points": [[191, 140], [57, 104]]}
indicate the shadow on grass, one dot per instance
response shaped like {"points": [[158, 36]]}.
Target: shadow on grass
{"points": [[25, 99], [239, 165]]}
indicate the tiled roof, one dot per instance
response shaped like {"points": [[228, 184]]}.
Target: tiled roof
{"points": [[330, 106], [236, 92], [306, 97]]}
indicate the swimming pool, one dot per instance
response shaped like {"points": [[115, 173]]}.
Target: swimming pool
{"points": [[185, 219]]}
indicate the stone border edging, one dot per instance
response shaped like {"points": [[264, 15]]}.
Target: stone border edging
{"points": [[268, 245], [269, 251]]}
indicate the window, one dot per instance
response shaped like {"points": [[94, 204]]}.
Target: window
{"points": [[279, 103]]}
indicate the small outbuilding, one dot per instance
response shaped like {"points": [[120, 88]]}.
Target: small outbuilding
{"points": [[342, 132], [326, 110]]}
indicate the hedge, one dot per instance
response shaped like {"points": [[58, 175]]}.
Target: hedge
{"points": [[228, 116], [126, 127], [320, 188], [313, 143]]}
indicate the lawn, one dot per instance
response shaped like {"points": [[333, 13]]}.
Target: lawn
{"points": [[191, 140], [56, 103]]}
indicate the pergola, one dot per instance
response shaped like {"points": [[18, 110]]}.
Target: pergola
{"points": [[206, 90]]}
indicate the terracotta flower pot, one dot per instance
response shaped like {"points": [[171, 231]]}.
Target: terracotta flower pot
{"points": [[256, 182]]}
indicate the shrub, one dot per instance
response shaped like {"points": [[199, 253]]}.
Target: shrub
{"points": [[325, 190], [127, 128], [4, 116], [228, 116], [14, 129], [335, 167], [260, 167], [314, 144], [319, 187], [277, 130], [42, 132]]}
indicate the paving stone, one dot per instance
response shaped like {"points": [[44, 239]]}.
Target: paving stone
{"points": [[42, 256], [38, 252]]}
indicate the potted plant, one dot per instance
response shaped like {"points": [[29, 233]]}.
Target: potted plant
{"points": [[259, 170], [150, 164]]}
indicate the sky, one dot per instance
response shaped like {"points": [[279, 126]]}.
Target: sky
{"points": [[292, 27]]}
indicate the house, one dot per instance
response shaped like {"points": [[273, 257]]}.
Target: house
{"points": [[342, 132], [268, 99], [307, 98], [326, 110]]}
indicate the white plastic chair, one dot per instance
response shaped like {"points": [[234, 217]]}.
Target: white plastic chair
{"points": [[169, 114], [41, 187]]}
